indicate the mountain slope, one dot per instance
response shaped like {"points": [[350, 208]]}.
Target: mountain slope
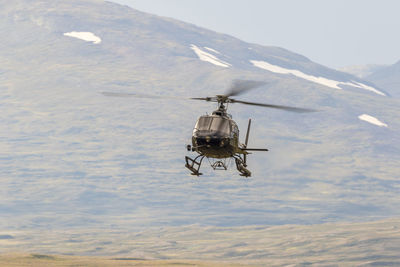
{"points": [[72, 158], [159, 42], [362, 71], [388, 78]]}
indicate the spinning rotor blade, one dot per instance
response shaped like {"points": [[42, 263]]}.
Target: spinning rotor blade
{"points": [[112, 94], [287, 108], [140, 95], [202, 98], [240, 86]]}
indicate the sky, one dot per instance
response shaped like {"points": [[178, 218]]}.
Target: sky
{"points": [[335, 33]]}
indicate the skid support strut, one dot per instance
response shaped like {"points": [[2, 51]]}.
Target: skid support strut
{"points": [[193, 165], [241, 167]]}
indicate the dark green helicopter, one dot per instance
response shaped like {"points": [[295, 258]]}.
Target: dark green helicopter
{"points": [[216, 136]]}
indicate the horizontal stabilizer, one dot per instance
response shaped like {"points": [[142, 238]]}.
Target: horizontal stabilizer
{"points": [[255, 149]]}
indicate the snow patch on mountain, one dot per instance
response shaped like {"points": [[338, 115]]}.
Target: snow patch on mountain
{"points": [[277, 69], [320, 80], [85, 36], [366, 87], [204, 56], [372, 120], [212, 50]]}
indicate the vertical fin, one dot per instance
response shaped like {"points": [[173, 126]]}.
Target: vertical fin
{"points": [[245, 143], [247, 134]]}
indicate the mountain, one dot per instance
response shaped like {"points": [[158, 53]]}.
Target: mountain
{"points": [[362, 71], [72, 159], [388, 78]]}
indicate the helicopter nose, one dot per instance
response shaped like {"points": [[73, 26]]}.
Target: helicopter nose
{"points": [[211, 141], [223, 142]]}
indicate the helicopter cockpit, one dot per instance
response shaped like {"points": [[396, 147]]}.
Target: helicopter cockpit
{"points": [[212, 125]]}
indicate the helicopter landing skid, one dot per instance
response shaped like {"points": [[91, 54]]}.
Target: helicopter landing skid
{"points": [[191, 163], [241, 167]]}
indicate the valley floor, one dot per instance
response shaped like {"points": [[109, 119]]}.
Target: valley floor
{"points": [[361, 244]]}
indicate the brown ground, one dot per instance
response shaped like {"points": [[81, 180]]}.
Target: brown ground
{"points": [[22, 260]]}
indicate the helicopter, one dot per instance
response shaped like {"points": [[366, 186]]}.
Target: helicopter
{"points": [[216, 136]]}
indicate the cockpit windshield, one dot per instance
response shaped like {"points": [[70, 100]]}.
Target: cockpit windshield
{"points": [[213, 124]]}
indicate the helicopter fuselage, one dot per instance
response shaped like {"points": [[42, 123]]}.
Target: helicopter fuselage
{"points": [[216, 136]]}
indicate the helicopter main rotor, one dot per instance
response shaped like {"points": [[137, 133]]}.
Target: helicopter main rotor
{"points": [[238, 87]]}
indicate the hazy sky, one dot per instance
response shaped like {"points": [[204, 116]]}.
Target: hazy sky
{"points": [[335, 33]]}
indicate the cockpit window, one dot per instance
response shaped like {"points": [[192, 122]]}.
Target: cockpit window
{"points": [[219, 125], [203, 123], [213, 124]]}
